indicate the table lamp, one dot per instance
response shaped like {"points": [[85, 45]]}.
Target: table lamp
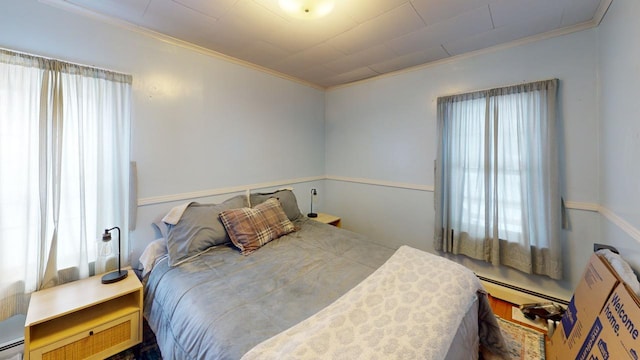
{"points": [[114, 276], [312, 214]]}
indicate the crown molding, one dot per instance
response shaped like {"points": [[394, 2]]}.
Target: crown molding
{"points": [[515, 43], [602, 10], [67, 6]]}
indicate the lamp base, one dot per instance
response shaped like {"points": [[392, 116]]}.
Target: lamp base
{"points": [[114, 276], [312, 215]]}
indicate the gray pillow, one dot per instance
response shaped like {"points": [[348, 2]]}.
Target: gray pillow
{"points": [[287, 200], [162, 229], [200, 228]]}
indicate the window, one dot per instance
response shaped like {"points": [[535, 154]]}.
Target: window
{"points": [[497, 194], [64, 170]]}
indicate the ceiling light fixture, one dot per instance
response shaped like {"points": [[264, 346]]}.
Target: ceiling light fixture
{"points": [[307, 9]]}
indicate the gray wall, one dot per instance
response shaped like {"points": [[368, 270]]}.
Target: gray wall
{"points": [[381, 137], [206, 127], [199, 123], [619, 136]]}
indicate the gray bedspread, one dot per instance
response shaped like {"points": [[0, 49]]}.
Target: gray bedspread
{"points": [[221, 304]]}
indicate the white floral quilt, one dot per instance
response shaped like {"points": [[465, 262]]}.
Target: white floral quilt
{"points": [[409, 308]]}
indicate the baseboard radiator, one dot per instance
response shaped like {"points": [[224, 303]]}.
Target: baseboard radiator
{"points": [[12, 337], [515, 294], [12, 350]]}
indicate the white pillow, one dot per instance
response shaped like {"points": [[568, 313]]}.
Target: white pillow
{"points": [[155, 251], [622, 268]]}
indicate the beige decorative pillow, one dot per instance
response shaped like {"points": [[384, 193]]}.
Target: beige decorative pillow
{"points": [[249, 229]]}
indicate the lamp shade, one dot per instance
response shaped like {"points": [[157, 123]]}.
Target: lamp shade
{"points": [[114, 276], [307, 9]]}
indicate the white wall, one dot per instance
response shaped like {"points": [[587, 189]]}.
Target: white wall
{"points": [[619, 56], [385, 131], [198, 122]]}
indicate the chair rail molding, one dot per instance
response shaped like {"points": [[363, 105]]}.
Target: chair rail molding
{"points": [[153, 200], [607, 213]]}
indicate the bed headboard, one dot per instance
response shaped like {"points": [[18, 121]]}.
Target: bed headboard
{"points": [[149, 212]]}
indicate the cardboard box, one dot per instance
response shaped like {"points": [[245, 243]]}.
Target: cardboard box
{"points": [[596, 285], [602, 320], [614, 333]]}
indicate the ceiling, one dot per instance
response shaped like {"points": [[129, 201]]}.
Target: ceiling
{"points": [[358, 40]]}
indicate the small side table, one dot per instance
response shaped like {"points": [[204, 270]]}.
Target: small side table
{"points": [[328, 219], [84, 319]]}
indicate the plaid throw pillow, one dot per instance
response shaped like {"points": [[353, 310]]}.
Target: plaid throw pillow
{"points": [[249, 229]]}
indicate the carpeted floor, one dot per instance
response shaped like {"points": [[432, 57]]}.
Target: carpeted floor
{"points": [[524, 343]]}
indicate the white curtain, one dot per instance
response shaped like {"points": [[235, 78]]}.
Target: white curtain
{"points": [[497, 179], [64, 171]]}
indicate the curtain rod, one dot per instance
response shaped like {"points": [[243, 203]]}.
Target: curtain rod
{"points": [[91, 67]]}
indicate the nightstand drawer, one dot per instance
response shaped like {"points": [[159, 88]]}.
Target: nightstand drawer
{"points": [[95, 343]]}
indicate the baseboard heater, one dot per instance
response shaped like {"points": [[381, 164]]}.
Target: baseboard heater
{"points": [[531, 296], [12, 337], [11, 348]]}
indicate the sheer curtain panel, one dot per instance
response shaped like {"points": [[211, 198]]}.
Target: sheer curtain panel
{"points": [[497, 180], [64, 171]]}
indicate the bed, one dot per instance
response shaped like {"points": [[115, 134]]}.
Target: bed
{"points": [[315, 292]]}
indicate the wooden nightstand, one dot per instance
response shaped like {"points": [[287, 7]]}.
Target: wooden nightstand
{"points": [[328, 219], [84, 319]]}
